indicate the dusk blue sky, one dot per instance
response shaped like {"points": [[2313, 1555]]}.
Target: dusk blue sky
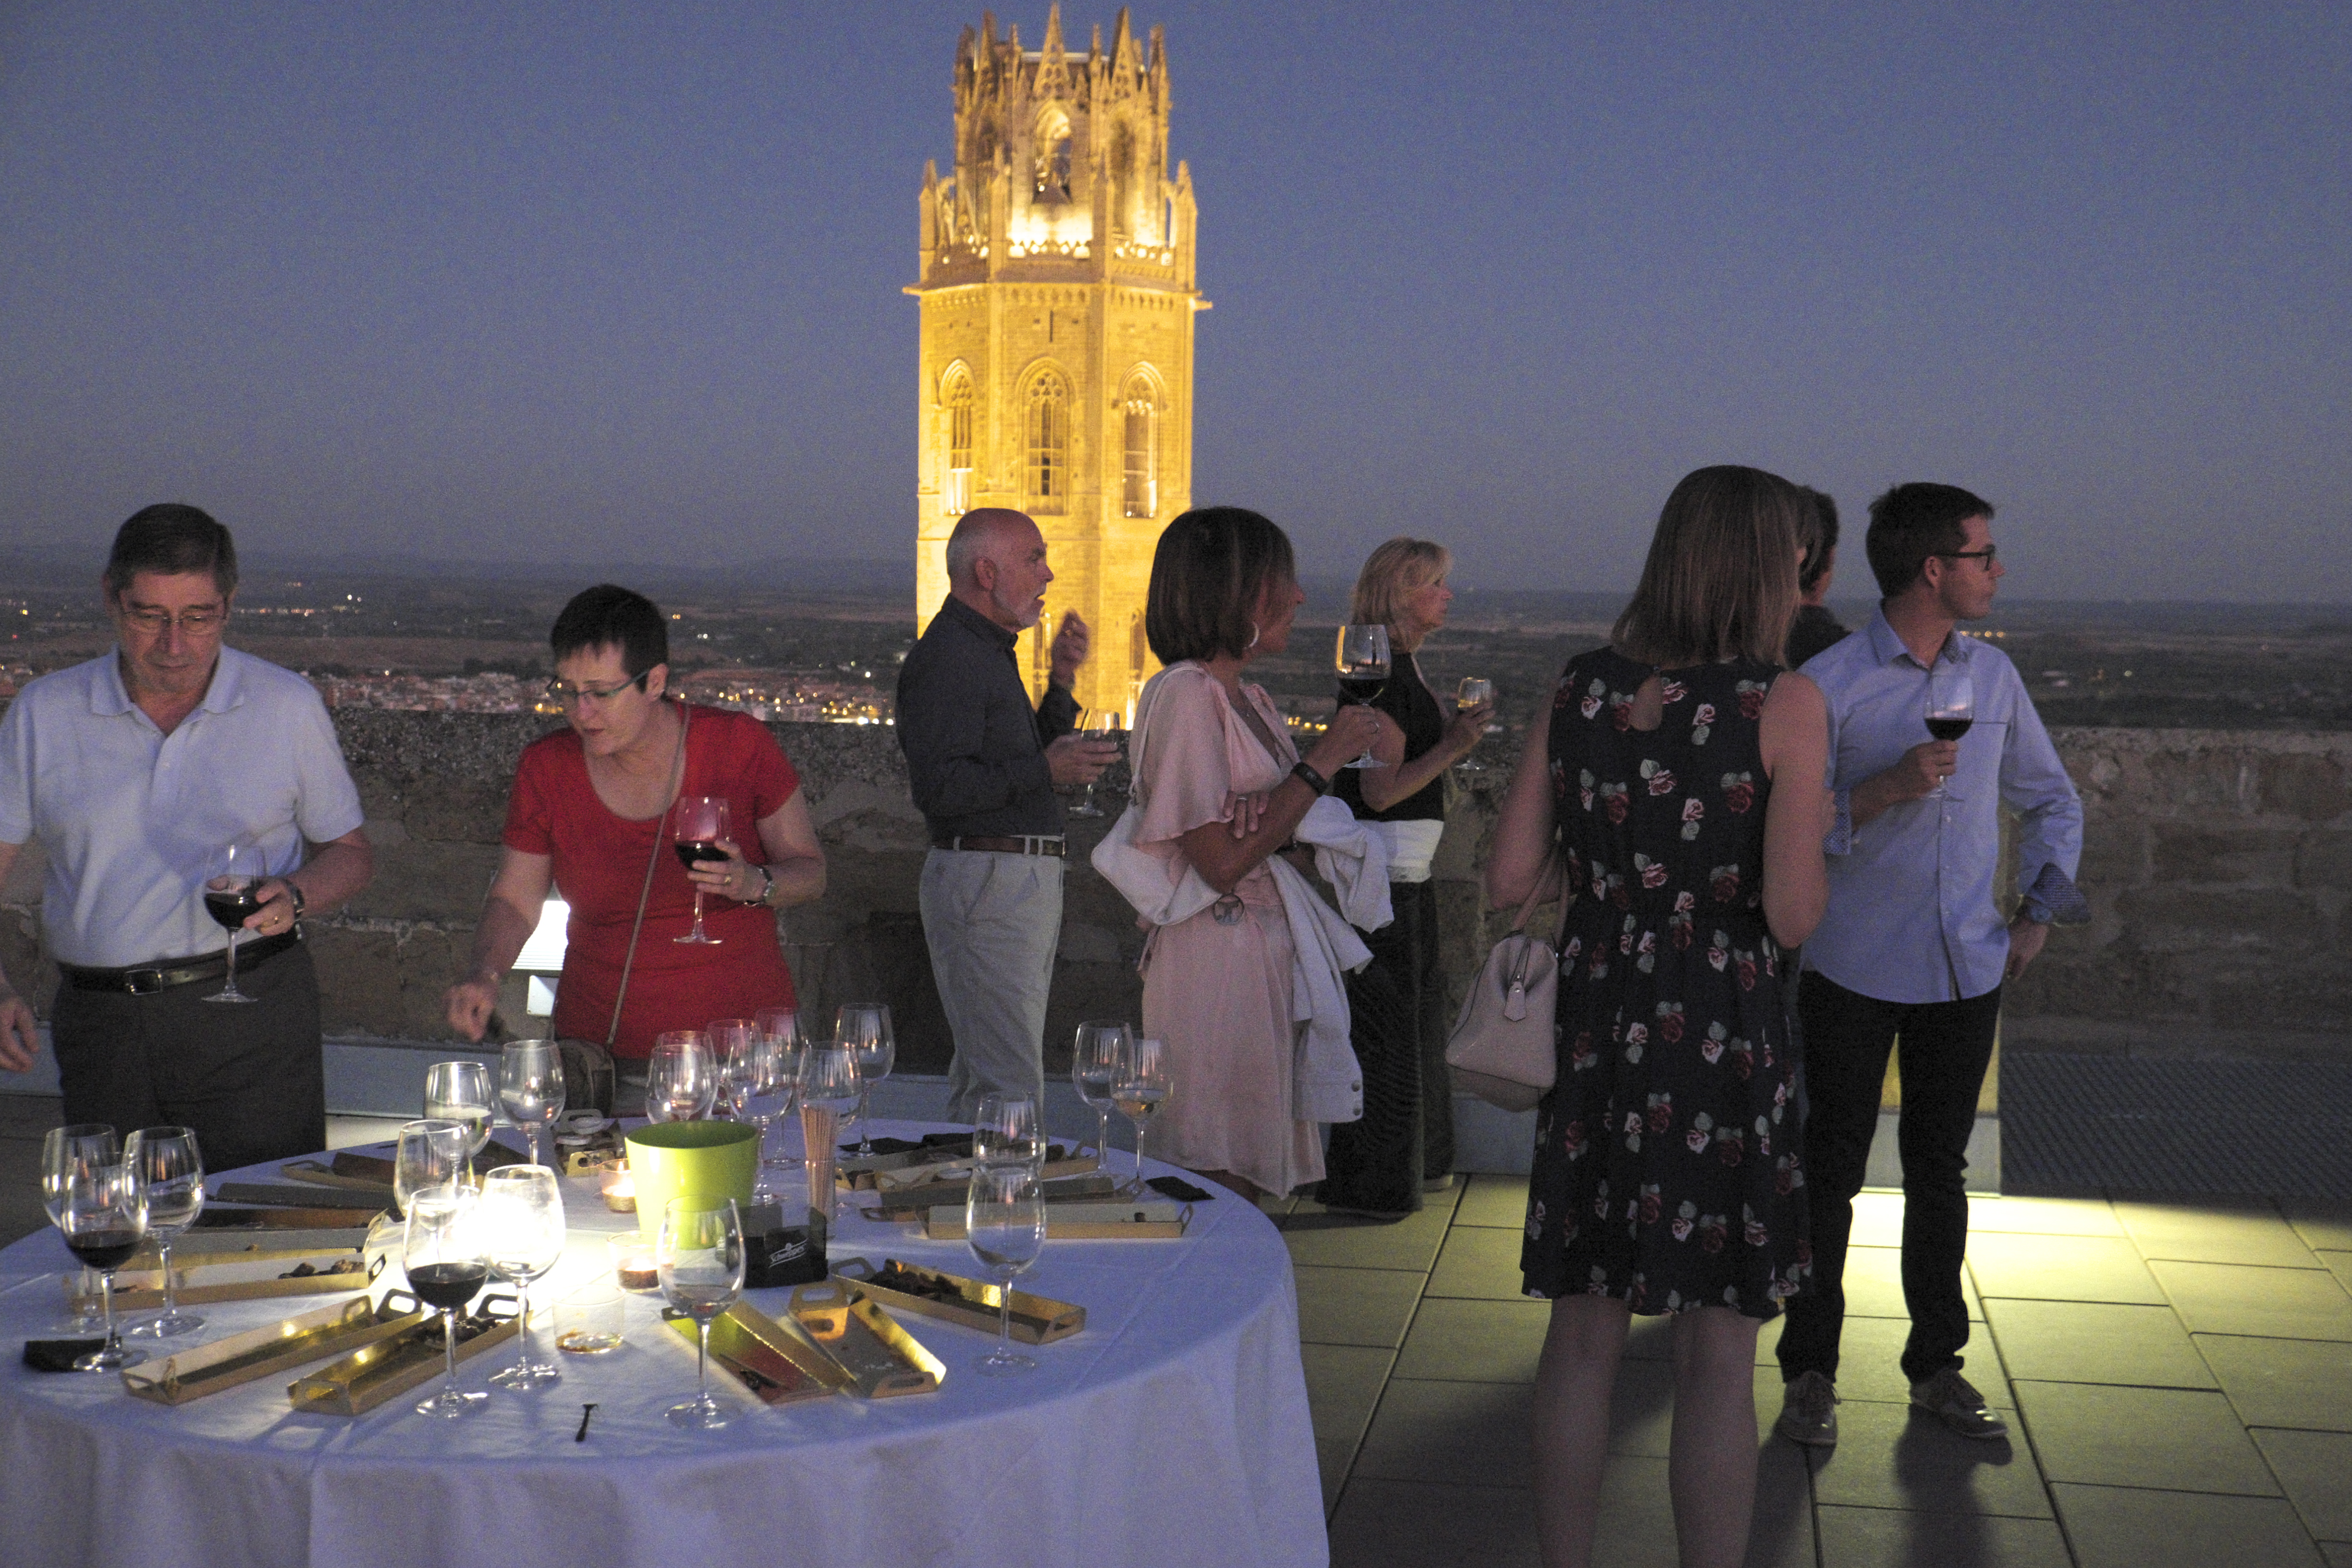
{"points": [[599, 283]]}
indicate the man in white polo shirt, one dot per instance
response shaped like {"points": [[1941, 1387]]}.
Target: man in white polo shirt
{"points": [[135, 771]]}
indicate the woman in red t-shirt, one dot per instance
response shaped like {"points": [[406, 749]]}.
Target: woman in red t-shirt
{"points": [[589, 812]]}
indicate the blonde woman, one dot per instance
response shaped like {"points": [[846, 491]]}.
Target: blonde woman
{"points": [[1380, 1165]]}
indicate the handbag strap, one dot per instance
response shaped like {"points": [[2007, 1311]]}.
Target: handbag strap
{"points": [[1544, 880], [677, 783]]}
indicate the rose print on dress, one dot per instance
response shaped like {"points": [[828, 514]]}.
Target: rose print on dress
{"points": [[1702, 722], [1661, 778], [1739, 790], [1693, 813], [1751, 694]]}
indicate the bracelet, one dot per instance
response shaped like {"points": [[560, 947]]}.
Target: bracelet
{"points": [[1311, 779], [767, 888], [301, 903]]}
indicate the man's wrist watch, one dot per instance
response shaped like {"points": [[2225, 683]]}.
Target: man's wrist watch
{"points": [[301, 903], [1305, 775]]}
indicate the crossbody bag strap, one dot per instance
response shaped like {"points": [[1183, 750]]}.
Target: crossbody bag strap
{"points": [[677, 783], [1544, 880]]}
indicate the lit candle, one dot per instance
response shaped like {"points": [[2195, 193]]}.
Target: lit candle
{"points": [[633, 1265], [620, 1189]]}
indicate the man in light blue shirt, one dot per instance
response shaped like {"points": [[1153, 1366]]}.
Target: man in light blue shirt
{"points": [[1913, 945]]}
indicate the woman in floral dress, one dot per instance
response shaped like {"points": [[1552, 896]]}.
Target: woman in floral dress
{"points": [[1678, 776]]}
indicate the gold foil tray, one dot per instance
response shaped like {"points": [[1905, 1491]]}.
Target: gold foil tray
{"points": [[1156, 1221], [256, 1275], [257, 1352], [953, 1298], [868, 1343], [399, 1362], [777, 1362]]}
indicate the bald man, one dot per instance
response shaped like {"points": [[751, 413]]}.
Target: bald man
{"points": [[984, 765]]}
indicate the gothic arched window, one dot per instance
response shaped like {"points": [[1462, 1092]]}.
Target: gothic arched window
{"points": [[1047, 419], [955, 400], [1140, 403]]}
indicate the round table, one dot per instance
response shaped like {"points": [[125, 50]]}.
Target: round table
{"points": [[1173, 1429]]}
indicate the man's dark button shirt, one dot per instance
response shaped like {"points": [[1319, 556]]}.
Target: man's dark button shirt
{"points": [[975, 749]]}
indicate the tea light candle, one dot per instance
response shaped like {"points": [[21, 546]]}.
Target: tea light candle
{"points": [[620, 1190], [633, 1265]]}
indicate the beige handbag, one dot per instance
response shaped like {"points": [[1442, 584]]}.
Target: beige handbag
{"points": [[1503, 1048]]}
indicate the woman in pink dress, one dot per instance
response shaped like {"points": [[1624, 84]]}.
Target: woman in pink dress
{"points": [[1218, 787]]}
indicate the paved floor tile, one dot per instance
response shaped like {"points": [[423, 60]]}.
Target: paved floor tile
{"points": [[1356, 1306], [1481, 1262], [1873, 1283], [2062, 1269], [2045, 1216], [2177, 1439], [2122, 1527], [2314, 1468], [2305, 1384], [1343, 1385], [1415, 1524], [2096, 1342], [1494, 1201], [1870, 1363], [1781, 1534], [2321, 1222], [1877, 1220], [1332, 1463], [1888, 1458], [1476, 1342], [1317, 1237], [1879, 1537], [1456, 1434], [2338, 1554], [1636, 1528], [2213, 1232], [2233, 1298], [2338, 1264]]}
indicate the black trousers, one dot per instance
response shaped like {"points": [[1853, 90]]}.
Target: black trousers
{"points": [[1945, 1048], [1397, 1007], [251, 1079]]}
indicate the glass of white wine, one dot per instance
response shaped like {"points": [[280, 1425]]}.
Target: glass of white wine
{"points": [[462, 1093], [1138, 1088], [1473, 691]]}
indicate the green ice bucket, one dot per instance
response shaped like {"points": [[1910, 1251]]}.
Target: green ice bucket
{"points": [[690, 1159]]}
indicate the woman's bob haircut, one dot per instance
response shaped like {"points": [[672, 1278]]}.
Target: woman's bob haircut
{"points": [[1721, 579], [1391, 572], [1208, 577]]}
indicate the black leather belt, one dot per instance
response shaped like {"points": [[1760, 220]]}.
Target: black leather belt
{"points": [[1033, 844], [151, 978]]}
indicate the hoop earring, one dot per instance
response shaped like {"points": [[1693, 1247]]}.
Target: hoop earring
{"points": [[1252, 642]]}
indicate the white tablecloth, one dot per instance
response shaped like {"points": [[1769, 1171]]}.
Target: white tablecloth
{"points": [[1172, 1430]]}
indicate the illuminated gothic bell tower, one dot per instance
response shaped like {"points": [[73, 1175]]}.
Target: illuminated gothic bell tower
{"points": [[1057, 366]]}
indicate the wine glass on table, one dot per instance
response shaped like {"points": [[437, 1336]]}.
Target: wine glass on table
{"points": [[781, 1027], [1004, 1226], [681, 1076], [167, 1160], [531, 1086], [103, 1215], [1093, 1064], [1138, 1091], [232, 896], [1473, 691], [700, 1255], [1951, 704], [1363, 661], [445, 1256], [523, 1218], [698, 823], [75, 1150], [430, 1153], [1006, 1130], [750, 1069], [828, 1091], [862, 1028], [728, 1037], [462, 1093]]}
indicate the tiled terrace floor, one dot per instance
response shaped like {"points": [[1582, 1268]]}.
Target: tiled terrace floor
{"points": [[2178, 1376]]}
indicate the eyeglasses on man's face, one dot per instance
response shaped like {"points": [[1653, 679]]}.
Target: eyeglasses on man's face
{"points": [[571, 695], [201, 621], [1985, 555]]}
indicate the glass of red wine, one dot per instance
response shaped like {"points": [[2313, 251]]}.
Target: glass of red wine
{"points": [[446, 1255], [103, 1215], [1951, 704], [1362, 658], [232, 896], [75, 1149], [696, 825]]}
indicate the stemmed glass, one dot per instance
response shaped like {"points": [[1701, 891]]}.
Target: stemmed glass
{"points": [[698, 823], [727, 1037], [447, 1258], [862, 1028], [829, 1087], [1362, 659], [531, 1086], [523, 1218], [103, 1214], [681, 1078], [1092, 1066], [1004, 1226], [462, 1093], [753, 1070], [781, 1027], [167, 1161], [1005, 1130], [75, 1150], [430, 1153], [232, 896], [1951, 704], [1103, 723], [700, 1255], [1473, 691], [1138, 1088]]}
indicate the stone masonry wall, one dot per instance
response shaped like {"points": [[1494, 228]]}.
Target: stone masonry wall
{"points": [[2218, 865]]}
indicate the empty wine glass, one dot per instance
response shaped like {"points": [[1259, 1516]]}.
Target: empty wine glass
{"points": [[531, 1086], [862, 1028], [1004, 1226], [829, 1086], [522, 1220], [752, 1069], [700, 1255], [1092, 1066], [75, 1150], [781, 1027], [103, 1214], [1005, 1130], [698, 823], [1951, 704], [681, 1078], [233, 879], [727, 1037], [430, 1153], [1473, 691], [447, 1258], [1138, 1090], [465, 1094], [1363, 661], [167, 1160]]}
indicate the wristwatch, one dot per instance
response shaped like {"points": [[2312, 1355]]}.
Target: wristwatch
{"points": [[1312, 779], [301, 903], [767, 887]]}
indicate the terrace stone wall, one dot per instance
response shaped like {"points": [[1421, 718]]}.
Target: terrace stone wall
{"points": [[2219, 863]]}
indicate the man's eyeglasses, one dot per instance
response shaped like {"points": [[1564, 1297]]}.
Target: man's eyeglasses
{"points": [[1985, 555], [195, 623], [568, 695]]}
